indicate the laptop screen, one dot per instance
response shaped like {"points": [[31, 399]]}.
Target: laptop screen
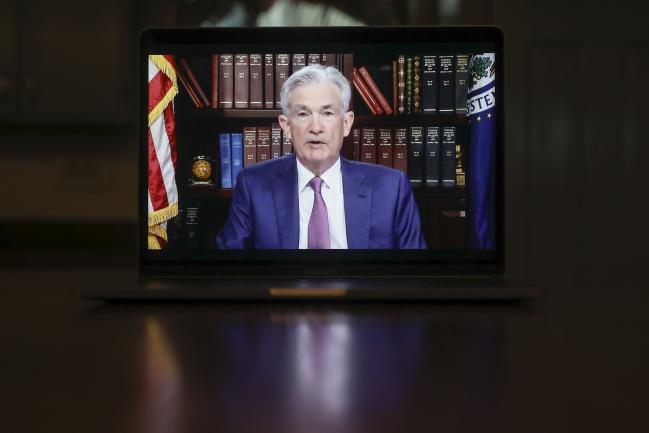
{"points": [[357, 149]]}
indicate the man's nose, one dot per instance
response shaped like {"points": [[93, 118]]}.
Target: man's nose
{"points": [[316, 124]]}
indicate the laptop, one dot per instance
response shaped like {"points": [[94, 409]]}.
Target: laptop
{"points": [[413, 204]]}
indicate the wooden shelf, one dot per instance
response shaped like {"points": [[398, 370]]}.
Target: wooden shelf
{"points": [[197, 190], [439, 192], [407, 120], [239, 113]]}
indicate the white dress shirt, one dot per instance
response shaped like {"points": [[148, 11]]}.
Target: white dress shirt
{"points": [[332, 194]]}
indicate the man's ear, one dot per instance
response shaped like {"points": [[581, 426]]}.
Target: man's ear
{"points": [[283, 122], [348, 122]]}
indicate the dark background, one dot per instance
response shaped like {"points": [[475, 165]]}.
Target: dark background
{"points": [[576, 143]]}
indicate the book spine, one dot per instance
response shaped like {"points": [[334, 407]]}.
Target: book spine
{"points": [[356, 140], [194, 83], [241, 83], [385, 149], [314, 59], [447, 162], [400, 151], [416, 155], [249, 146], [461, 82], [347, 150], [409, 85], [263, 143], [365, 93], [226, 81], [376, 92], [276, 141], [299, 61], [461, 135], [269, 81], [185, 83], [416, 85], [281, 74], [226, 160], [395, 87], [432, 156], [402, 84], [287, 145], [368, 145], [429, 91], [329, 60], [215, 81], [446, 94], [256, 83], [237, 156]]}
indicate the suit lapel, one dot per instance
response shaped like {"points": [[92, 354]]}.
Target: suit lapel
{"points": [[358, 198], [285, 200]]}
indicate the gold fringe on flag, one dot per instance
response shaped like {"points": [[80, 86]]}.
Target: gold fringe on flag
{"points": [[162, 215], [163, 64]]}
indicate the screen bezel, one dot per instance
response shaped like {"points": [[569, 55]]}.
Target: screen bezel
{"points": [[319, 263]]}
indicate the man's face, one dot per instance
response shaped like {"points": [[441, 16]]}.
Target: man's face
{"points": [[317, 125]]}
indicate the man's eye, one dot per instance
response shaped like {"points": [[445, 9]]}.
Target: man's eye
{"points": [[301, 114], [329, 113]]}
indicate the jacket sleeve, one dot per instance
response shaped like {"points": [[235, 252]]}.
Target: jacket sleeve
{"points": [[238, 232], [407, 222]]}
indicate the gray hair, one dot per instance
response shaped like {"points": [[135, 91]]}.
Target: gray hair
{"points": [[314, 74]]}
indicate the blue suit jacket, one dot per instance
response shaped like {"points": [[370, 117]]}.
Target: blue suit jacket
{"points": [[380, 210]]}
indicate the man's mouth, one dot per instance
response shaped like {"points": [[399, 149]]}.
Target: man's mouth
{"points": [[315, 142]]}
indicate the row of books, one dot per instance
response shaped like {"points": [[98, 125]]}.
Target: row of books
{"points": [[428, 155], [252, 81], [255, 144], [441, 87]]}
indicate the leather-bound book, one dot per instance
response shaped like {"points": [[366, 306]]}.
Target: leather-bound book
{"points": [[370, 100], [385, 149], [401, 84], [314, 59], [287, 145], [275, 141], [263, 143], [269, 81], [225, 157], [185, 83], [256, 83], [299, 61], [347, 67], [237, 156], [198, 89], [447, 163], [461, 82], [446, 92], [226, 81], [416, 155], [400, 150], [376, 92], [395, 87], [214, 102], [356, 140], [241, 80], [431, 159], [368, 145], [249, 146], [329, 60], [429, 85], [408, 85], [281, 74], [416, 85]]}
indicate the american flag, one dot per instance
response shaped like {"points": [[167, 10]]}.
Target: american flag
{"points": [[163, 193]]}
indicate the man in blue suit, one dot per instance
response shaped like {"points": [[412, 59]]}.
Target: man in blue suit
{"points": [[314, 198]]}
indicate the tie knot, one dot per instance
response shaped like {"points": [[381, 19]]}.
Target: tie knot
{"points": [[316, 184]]}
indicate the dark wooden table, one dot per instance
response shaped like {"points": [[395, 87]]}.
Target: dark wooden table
{"points": [[575, 361]]}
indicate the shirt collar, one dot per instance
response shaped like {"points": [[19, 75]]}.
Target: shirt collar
{"points": [[331, 178]]}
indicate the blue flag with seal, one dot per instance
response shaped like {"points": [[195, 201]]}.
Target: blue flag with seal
{"points": [[481, 106]]}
